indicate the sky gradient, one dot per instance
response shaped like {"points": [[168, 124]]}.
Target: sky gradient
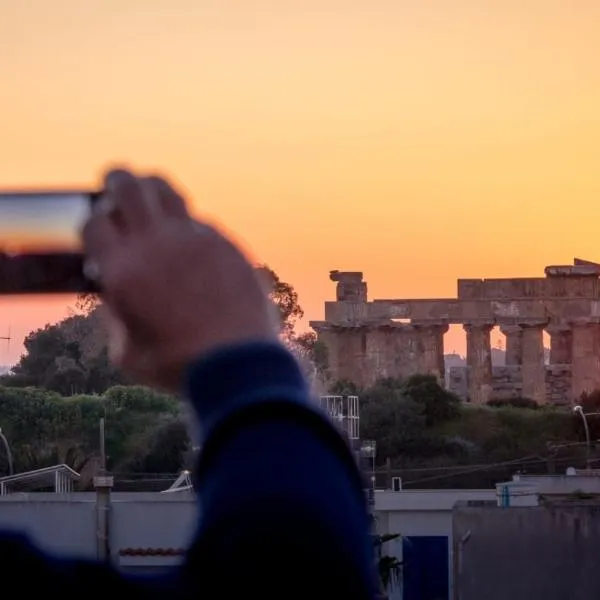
{"points": [[418, 142]]}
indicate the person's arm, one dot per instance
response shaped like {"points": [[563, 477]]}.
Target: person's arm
{"points": [[283, 506]]}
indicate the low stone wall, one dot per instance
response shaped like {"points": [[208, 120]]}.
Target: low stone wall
{"points": [[507, 383]]}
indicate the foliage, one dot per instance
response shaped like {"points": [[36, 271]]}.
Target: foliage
{"points": [[285, 298], [439, 405], [515, 403], [388, 566], [69, 357], [314, 350], [144, 430], [400, 414], [416, 423], [394, 420], [590, 403], [147, 431]]}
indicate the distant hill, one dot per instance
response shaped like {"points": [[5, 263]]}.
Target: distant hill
{"points": [[456, 360]]}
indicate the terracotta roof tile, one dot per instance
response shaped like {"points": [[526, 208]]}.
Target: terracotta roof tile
{"points": [[151, 552]]}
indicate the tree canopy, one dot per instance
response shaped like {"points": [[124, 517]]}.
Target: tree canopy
{"points": [[71, 357], [145, 430]]}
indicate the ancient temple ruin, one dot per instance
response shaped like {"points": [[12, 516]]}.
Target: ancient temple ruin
{"points": [[369, 339]]}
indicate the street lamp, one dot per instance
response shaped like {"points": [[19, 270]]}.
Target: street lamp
{"points": [[8, 453], [579, 409]]}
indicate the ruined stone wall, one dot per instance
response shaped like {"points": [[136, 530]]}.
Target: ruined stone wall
{"points": [[507, 382], [457, 382], [529, 287], [558, 384], [371, 339]]}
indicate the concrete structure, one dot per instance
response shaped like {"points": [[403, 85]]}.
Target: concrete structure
{"points": [[455, 543], [149, 532], [548, 552], [369, 339], [344, 411], [579, 482], [146, 531], [424, 520]]}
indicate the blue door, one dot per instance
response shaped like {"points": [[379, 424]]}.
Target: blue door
{"points": [[425, 568]]}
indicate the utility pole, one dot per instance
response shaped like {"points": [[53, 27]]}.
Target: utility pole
{"points": [[7, 338], [9, 457], [578, 409], [103, 484]]}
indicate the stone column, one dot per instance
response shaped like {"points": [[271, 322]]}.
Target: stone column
{"points": [[514, 344], [561, 341], [479, 362], [403, 351], [533, 369], [431, 348], [346, 351], [585, 368]]}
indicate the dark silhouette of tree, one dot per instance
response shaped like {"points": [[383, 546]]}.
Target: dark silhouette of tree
{"points": [[285, 298], [69, 357]]}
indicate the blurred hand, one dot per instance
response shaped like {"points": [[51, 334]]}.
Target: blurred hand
{"points": [[174, 288]]}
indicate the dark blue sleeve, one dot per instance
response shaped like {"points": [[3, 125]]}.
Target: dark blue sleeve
{"points": [[281, 495], [283, 513]]}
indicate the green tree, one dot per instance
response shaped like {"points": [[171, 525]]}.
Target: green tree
{"points": [[144, 429], [166, 448], [69, 357], [395, 421], [314, 351], [389, 567], [439, 405], [285, 298]]}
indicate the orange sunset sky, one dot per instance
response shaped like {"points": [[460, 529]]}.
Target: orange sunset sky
{"points": [[418, 141]]}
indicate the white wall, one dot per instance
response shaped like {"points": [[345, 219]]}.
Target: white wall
{"points": [[421, 513]]}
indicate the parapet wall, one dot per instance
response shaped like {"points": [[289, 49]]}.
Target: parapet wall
{"points": [[545, 552]]}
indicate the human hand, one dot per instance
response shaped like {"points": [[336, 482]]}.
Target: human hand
{"points": [[174, 288]]}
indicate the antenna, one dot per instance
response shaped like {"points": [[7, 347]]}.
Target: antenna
{"points": [[7, 338]]}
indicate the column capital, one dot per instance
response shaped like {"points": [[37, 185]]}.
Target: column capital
{"points": [[510, 328], [478, 324], [320, 325], [561, 327], [533, 324]]}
